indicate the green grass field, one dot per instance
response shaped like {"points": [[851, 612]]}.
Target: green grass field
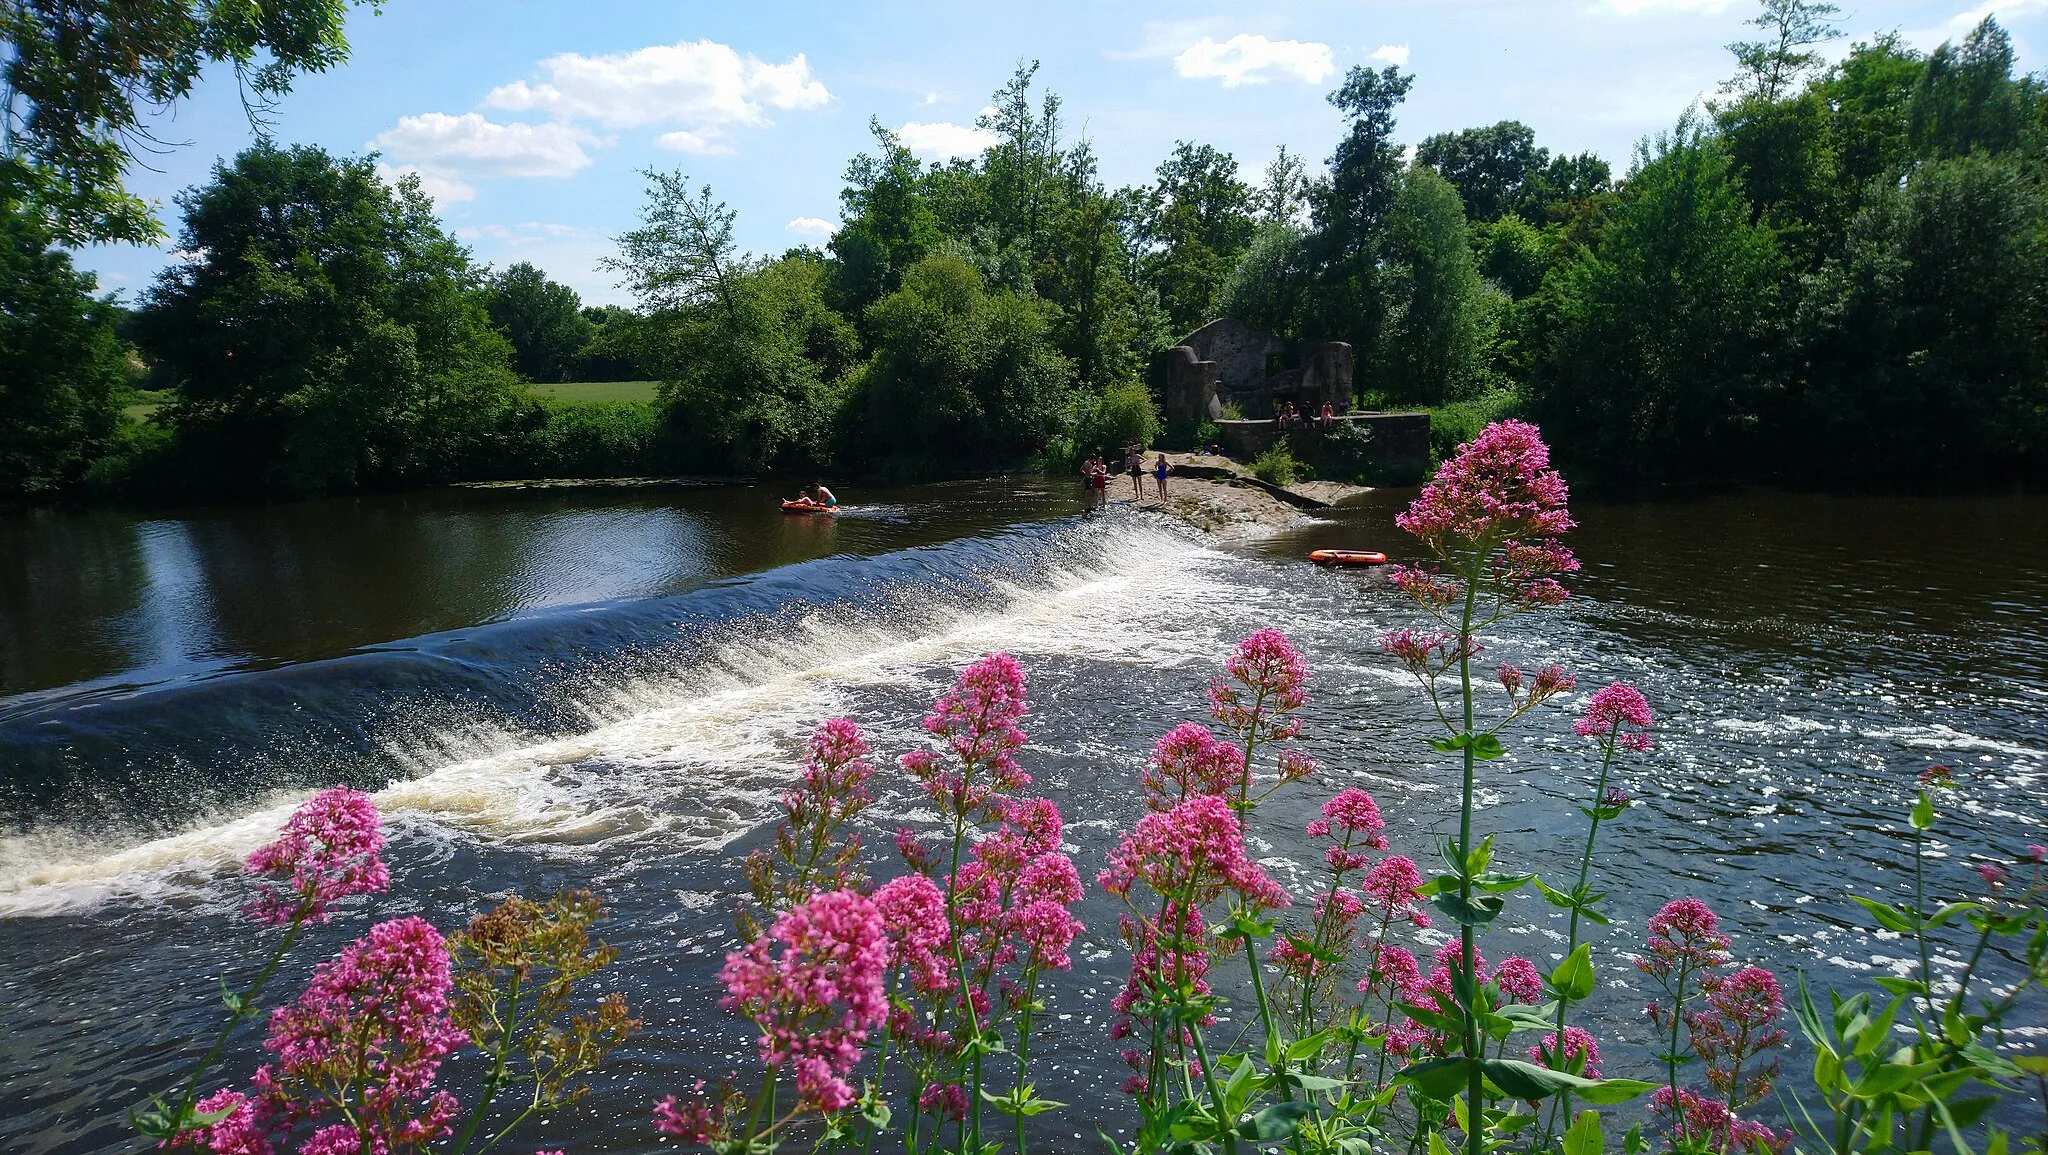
{"points": [[598, 390]]}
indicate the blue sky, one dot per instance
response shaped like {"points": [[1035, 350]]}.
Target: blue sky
{"points": [[529, 121]]}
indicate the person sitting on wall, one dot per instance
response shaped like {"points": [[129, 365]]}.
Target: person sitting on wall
{"points": [[1327, 419]]}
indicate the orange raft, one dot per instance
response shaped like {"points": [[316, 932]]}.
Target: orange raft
{"points": [[806, 507], [1347, 557]]}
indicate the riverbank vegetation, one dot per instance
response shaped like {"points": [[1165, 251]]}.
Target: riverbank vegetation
{"points": [[879, 1000], [1830, 271]]}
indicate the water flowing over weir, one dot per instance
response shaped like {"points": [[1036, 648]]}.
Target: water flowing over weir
{"points": [[634, 746]]}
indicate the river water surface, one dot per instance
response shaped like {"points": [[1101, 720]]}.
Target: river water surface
{"points": [[608, 690]]}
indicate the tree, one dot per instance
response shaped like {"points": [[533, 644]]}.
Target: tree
{"points": [[1350, 208], [82, 78], [1197, 225], [1432, 345], [889, 224], [1491, 167], [1868, 95], [1966, 98], [746, 351], [1283, 197], [61, 365], [543, 320], [326, 334], [1773, 64], [1924, 338], [1661, 364], [1273, 286], [960, 376]]}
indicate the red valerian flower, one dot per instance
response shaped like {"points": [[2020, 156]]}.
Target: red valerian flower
{"points": [[329, 849]]}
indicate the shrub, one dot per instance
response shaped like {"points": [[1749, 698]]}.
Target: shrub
{"points": [[1277, 465], [1455, 424]]}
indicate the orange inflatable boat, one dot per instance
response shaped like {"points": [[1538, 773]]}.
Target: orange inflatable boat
{"points": [[1347, 557], [806, 507]]}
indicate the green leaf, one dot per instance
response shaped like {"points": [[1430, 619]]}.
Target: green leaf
{"points": [[876, 1112], [1607, 1092], [1450, 745], [1888, 916], [1573, 980], [1308, 1046], [1486, 748], [1923, 813], [1554, 896], [1521, 1080], [1949, 912], [1437, 1078], [1500, 882], [1436, 1143], [1483, 908], [1899, 986], [1433, 1019], [1583, 1136], [1633, 1142], [1279, 1121]]}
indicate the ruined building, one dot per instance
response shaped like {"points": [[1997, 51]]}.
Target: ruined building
{"points": [[1227, 362]]}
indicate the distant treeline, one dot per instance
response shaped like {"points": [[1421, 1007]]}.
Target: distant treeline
{"points": [[1829, 272]]}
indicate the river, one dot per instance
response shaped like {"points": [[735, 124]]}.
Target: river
{"points": [[607, 690]]}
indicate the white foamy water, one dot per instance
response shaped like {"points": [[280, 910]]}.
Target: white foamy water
{"points": [[689, 761]]}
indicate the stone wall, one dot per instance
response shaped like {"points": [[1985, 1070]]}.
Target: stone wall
{"points": [[1244, 356], [1190, 387], [1399, 446]]}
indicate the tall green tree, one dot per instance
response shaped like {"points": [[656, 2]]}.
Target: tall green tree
{"points": [[1432, 346], [542, 318], [83, 80], [962, 377], [1499, 170], [1661, 363], [326, 334], [61, 365], [1350, 207], [1924, 346], [746, 350], [1197, 225], [889, 225], [1771, 65], [1966, 99]]}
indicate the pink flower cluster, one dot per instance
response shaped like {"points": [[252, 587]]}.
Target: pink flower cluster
{"points": [[1395, 977], [1265, 684], [1189, 761], [816, 1000], [696, 1121], [1699, 1123], [1351, 818], [1738, 1024], [1617, 712], [1336, 913], [1170, 954], [1428, 653], [1394, 885], [1016, 890], [1191, 854], [1685, 937], [1528, 691], [1516, 980], [976, 721], [329, 849], [366, 1038], [1579, 1048], [914, 917], [1493, 512]]}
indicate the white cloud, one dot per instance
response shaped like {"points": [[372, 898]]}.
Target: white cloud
{"points": [[448, 152], [703, 88], [814, 227], [1245, 59], [1394, 54], [1638, 7], [942, 140], [1960, 25], [446, 190]]}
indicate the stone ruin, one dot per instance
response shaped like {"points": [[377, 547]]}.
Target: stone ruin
{"points": [[1228, 362]]}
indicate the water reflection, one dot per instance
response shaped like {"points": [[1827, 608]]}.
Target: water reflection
{"points": [[105, 599]]}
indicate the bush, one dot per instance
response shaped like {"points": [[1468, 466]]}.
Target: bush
{"points": [[1453, 425], [1277, 465], [1122, 416], [593, 439]]}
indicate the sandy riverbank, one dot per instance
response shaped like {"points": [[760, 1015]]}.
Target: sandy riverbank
{"points": [[1220, 496]]}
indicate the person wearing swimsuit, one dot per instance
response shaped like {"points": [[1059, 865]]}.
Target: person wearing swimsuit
{"points": [[825, 497], [1160, 468], [1134, 464]]}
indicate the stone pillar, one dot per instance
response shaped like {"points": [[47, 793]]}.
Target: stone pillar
{"points": [[1326, 374], [1190, 392]]}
